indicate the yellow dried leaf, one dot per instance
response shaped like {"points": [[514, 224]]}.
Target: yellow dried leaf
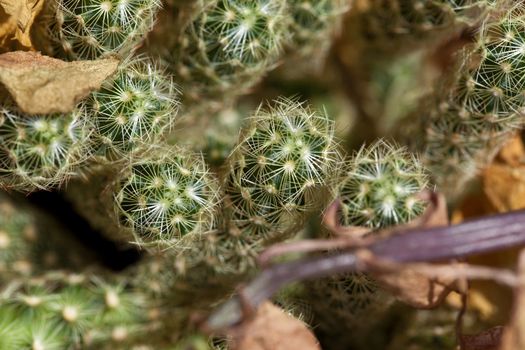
{"points": [[272, 329], [18, 18], [43, 85]]}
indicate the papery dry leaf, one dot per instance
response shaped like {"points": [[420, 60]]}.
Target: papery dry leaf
{"points": [[513, 152], [272, 329], [514, 335], [18, 19], [43, 85], [504, 186]]}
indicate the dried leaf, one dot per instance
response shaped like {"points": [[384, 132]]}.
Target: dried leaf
{"points": [[42, 85], [514, 335], [18, 19], [416, 289], [272, 329]]}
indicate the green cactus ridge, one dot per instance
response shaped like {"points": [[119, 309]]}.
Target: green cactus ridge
{"points": [[41, 152], [134, 109], [166, 197], [90, 29]]}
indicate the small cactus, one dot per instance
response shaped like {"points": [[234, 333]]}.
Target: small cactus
{"points": [[381, 186], [278, 170], [90, 29], [43, 151], [229, 47], [166, 197], [134, 109]]}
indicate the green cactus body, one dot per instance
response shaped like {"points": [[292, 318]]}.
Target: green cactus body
{"points": [[166, 197], [133, 110], [470, 125], [380, 187], [313, 22], [41, 152], [90, 29], [278, 170], [228, 48], [58, 311]]}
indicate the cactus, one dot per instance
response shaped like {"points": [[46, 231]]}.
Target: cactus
{"points": [[57, 311], [228, 48], [134, 109], [470, 124], [41, 152], [90, 29], [313, 22], [166, 197], [381, 186]]}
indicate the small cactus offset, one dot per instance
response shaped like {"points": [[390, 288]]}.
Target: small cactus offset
{"points": [[381, 186], [229, 47], [41, 152], [89, 29], [282, 161], [133, 109], [166, 197]]}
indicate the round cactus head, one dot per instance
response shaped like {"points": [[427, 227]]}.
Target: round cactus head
{"points": [[381, 187], [133, 109], [229, 47], [39, 152], [278, 169], [89, 29], [165, 197]]}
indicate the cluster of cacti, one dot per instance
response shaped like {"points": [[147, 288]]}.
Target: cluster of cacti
{"points": [[164, 160]]}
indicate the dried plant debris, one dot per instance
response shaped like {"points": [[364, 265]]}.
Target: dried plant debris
{"points": [[272, 329], [44, 85], [16, 19]]}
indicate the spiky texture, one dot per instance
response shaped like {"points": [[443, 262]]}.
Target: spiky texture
{"points": [[90, 29], [409, 21], [277, 176], [133, 109], [381, 186], [165, 197], [228, 48], [42, 151], [278, 170], [466, 129], [60, 311], [313, 22]]}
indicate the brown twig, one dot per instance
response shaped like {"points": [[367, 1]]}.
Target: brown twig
{"points": [[487, 234]]}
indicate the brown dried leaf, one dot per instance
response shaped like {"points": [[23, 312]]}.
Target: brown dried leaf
{"points": [[416, 289], [514, 335], [18, 18], [272, 329], [43, 85]]}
